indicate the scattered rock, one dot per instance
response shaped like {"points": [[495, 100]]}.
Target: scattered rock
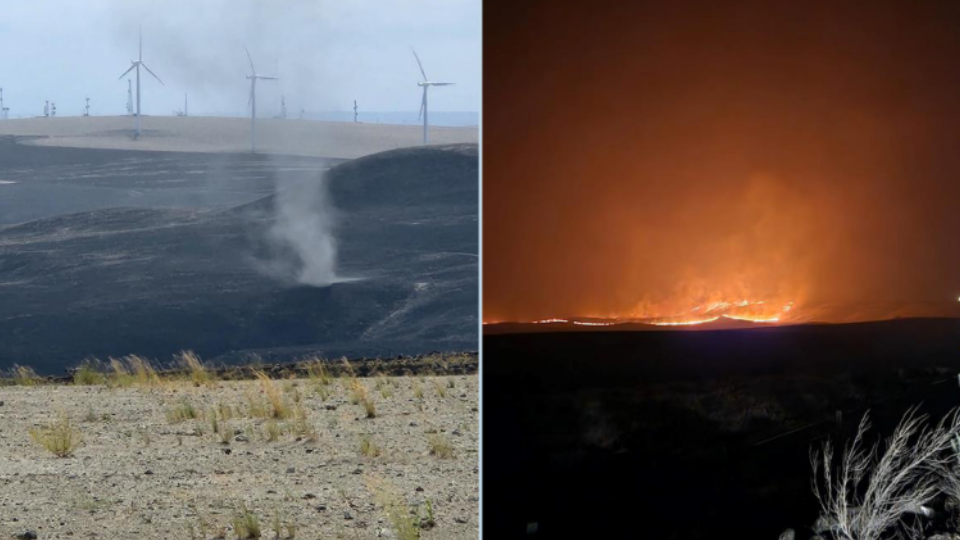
{"points": [[788, 534], [291, 470], [320, 508], [29, 535], [347, 515], [148, 472], [227, 451], [309, 496]]}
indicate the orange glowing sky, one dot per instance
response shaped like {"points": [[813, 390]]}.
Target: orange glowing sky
{"points": [[643, 160]]}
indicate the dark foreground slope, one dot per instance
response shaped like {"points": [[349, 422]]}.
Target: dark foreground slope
{"points": [[178, 273], [691, 434]]}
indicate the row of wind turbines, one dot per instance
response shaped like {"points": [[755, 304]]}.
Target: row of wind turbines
{"points": [[253, 77]]}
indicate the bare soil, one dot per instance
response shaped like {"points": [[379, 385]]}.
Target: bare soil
{"points": [[207, 134], [137, 475]]}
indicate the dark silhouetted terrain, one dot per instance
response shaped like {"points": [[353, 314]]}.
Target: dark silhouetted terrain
{"points": [[691, 434]]}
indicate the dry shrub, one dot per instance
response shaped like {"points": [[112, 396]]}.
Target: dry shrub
{"points": [[60, 438]]}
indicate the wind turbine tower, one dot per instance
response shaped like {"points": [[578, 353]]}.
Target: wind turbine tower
{"points": [[253, 101], [185, 105], [135, 64], [3, 110], [426, 84], [354, 111], [86, 110], [129, 97]]}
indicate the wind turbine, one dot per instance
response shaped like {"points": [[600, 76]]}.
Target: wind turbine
{"points": [[136, 65], [426, 83], [253, 101]]}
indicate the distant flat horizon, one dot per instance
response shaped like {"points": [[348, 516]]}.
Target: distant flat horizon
{"points": [[401, 118]]}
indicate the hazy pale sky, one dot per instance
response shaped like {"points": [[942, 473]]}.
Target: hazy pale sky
{"points": [[327, 53]]}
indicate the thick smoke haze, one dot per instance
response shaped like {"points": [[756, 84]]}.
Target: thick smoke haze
{"points": [[646, 159]]}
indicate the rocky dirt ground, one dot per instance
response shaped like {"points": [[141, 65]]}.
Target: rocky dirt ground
{"points": [[142, 472]]}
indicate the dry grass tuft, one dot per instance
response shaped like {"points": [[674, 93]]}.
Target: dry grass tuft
{"points": [[360, 396], [870, 495], [87, 375], [195, 369], [277, 407], [143, 371], [302, 428], [271, 431], [182, 412], [25, 376], [440, 446], [246, 525], [368, 447], [441, 391], [402, 520], [60, 438], [317, 373], [121, 376]]}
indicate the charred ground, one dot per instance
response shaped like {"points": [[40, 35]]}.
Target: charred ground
{"points": [[692, 434], [107, 252]]}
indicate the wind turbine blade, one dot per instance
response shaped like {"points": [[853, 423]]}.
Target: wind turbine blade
{"points": [[424, 73], [442, 83], [268, 78], [140, 32], [253, 69], [152, 73], [127, 71]]}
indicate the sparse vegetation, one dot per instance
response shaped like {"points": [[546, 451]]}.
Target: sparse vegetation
{"points": [[180, 422], [359, 395], [278, 408], [280, 523], [440, 446], [271, 431], [87, 375], [25, 376], [302, 427], [869, 495], [246, 525], [60, 438], [317, 373], [143, 370], [368, 447], [121, 376], [195, 369], [402, 520], [182, 412]]}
